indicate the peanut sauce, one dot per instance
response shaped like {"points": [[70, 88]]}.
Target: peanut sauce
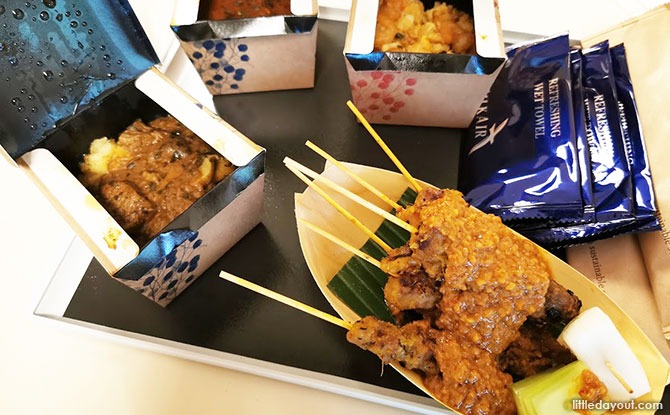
{"points": [[591, 388]]}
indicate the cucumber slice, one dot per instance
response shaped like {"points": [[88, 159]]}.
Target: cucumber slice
{"points": [[551, 392]]}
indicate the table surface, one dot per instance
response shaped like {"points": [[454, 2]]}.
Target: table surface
{"points": [[57, 368]]}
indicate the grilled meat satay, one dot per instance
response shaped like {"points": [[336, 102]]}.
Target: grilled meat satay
{"points": [[408, 286], [475, 282], [410, 345], [560, 306], [461, 376], [537, 349]]}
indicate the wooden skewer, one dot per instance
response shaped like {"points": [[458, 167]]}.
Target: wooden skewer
{"points": [[285, 300], [341, 243], [381, 212], [353, 175], [384, 147], [618, 377], [341, 209]]}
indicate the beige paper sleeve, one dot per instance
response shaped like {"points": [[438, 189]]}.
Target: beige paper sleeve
{"points": [[617, 266], [647, 42]]}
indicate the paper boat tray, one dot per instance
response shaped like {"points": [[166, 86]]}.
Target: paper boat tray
{"points": [[325, 259]]}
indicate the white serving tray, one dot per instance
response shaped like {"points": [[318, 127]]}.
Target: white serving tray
{"points": [[68, 275]]}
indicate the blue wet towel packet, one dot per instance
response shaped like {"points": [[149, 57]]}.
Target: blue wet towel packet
{"points": [[612, 183], [546, 231], [611, 177], [609, 70], [519, 156], [644, 198], [583, 157]]}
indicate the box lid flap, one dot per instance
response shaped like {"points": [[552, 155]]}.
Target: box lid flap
{"points": [[57, 57]]}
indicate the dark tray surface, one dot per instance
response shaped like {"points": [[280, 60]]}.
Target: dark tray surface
{"points": [[215, 314]]}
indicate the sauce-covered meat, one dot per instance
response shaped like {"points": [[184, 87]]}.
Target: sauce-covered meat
{"points": [[151, 174], [408, 286], [492, 279], [534, 351], [537, 348], [560, 306], [477, 282], [238, 9], [469, 379]]}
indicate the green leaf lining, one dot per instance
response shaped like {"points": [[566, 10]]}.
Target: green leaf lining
{"points": [[359, 284]]}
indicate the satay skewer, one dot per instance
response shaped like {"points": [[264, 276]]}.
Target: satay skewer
{"points": [[285, 300], [618, 377], [341, 243], [384, 147], [370, 234], [353, 175], [349, 194]]}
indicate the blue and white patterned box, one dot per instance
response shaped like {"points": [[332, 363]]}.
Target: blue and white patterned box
{"points": [[254, 54], [78, 71]]}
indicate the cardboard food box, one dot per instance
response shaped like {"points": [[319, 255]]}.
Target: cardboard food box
{"points": [[77, 71], [256, 54], [422, 89]]}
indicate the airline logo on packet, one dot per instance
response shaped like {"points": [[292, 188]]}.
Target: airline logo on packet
{"points": [[488, 135], [519, 158]]}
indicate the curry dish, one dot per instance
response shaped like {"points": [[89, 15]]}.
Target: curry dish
{"points": [[151, 174], [238, 9], [474, 305], [405, 26]]}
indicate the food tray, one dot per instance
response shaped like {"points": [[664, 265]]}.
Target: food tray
{"points": [[222, 324]]}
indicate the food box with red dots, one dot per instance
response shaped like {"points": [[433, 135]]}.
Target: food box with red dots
{"points": [[424, 83]]}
